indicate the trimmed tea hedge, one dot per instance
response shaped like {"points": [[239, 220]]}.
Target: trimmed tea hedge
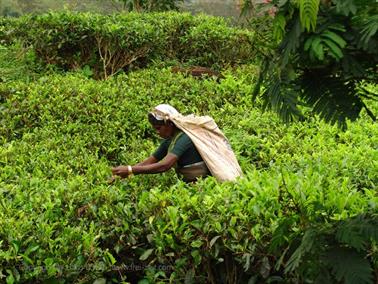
{"points": [[306, 209], [110, 43], [7, 35]]}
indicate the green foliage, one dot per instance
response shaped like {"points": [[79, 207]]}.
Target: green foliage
{"points": [[326, 51], [18, 64], [309, 190], [150, 5], [5, 30], [327, 42], [305, 210], [16, 8], [113, 43], [335, 250], [308, 12]]}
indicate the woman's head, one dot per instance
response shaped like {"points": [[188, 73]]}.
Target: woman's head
{"points": [[154, 121], [163, 126]]}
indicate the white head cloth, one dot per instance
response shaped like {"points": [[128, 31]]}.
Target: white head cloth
{"points": [[164, 109]]}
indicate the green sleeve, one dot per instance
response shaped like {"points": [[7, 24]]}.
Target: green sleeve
{"points": [[162, 150], [183, 143]]}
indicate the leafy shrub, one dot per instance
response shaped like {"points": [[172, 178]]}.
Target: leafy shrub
{"points": [[108, 44], [6, 30], [150, 5], [325, 49], [17, 63], [307, 188]]}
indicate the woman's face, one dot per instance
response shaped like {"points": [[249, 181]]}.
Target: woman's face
{"points": [[164, 131]]}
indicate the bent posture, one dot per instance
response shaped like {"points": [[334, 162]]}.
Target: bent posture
{"points": [[175, 151]]}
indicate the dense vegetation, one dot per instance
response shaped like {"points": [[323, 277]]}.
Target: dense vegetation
{"points": [[321, 52], [305, 210], [16, 8], [112, 43]]}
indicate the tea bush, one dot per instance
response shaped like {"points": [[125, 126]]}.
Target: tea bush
{"points": [[17, 63], [112, 43], [6, 32], [306, 206]]}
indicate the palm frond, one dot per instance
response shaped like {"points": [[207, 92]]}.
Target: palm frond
{"points": [[350, 232], [291, 41], [308, 241], [328, 60], [262, 74], [348, 266], [370, 28], [279, 24], [346, 7], [282, 100], [281, 234], [358, 232], [330, 96], [326, 42], [308, 12], [246, 7], [352, 66]]}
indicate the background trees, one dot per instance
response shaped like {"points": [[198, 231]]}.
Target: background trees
{"points": [[324, 57], [150, 5]]}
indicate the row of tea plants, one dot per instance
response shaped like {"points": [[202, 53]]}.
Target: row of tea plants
{"points": [[108, 44], [304, 211]]}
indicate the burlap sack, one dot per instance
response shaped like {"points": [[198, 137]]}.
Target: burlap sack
{"points": [[210, 143]]}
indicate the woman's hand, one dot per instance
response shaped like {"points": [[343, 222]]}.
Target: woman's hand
{"points": [[111, 180], [122, 171], [149, 166]]}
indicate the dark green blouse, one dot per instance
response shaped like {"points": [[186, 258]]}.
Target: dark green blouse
{"points": [[181, 146]]}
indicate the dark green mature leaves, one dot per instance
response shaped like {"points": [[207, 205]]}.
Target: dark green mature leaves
{"points": [[349, 267], [369, 29], [334, 251], [331, 97]]}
